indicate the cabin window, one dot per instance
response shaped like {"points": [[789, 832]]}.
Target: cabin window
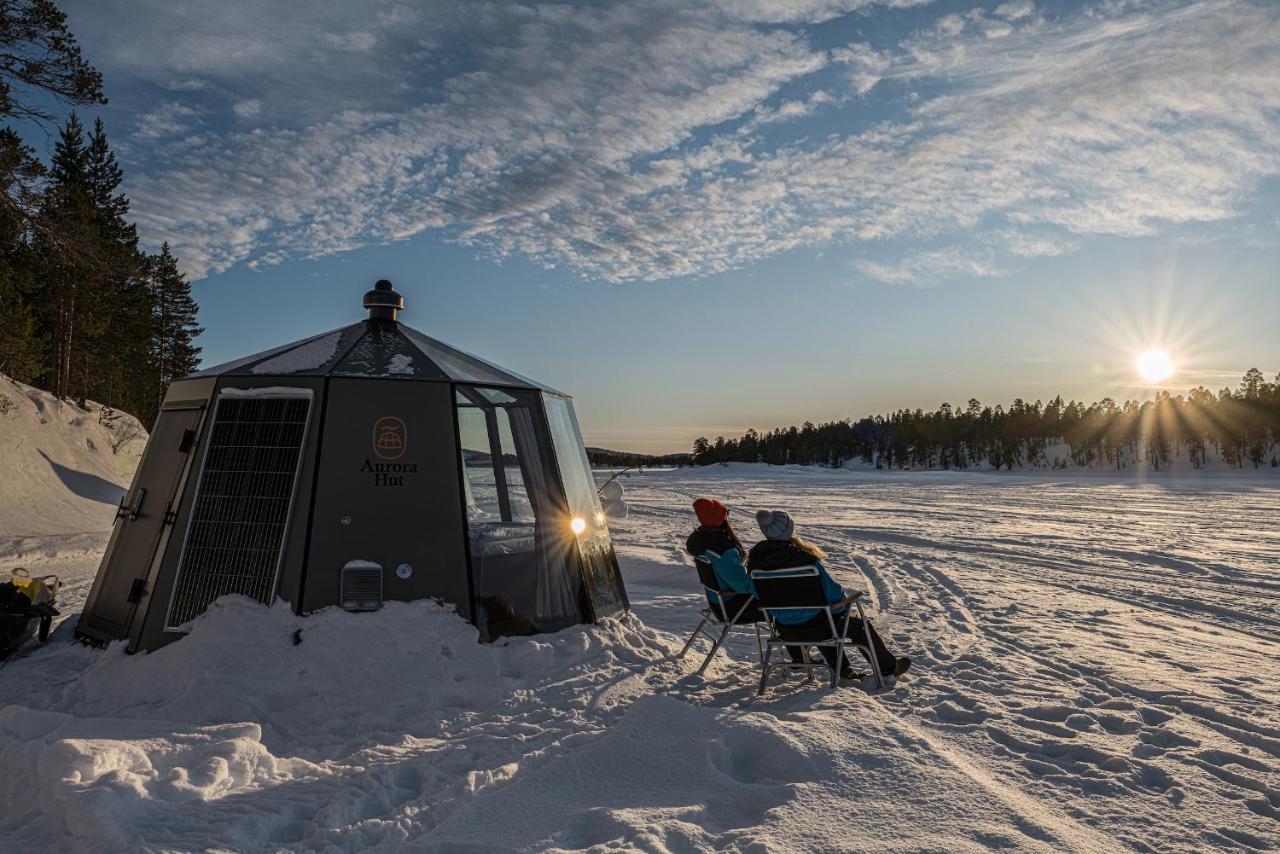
{"points": [[599, 563], [523, 564]]}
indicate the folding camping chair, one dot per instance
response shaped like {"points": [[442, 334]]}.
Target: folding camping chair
{"points": [[800, 589], [717, 614]]}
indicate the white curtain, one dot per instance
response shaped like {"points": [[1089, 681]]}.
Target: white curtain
{"points": [[557, 570]]}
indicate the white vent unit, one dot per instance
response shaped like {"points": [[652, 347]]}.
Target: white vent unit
{"points": [[361, 586]]}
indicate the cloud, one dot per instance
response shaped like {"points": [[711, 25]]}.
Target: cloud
{"points": [[302, 67], [642, 141], [357, 41], [248, 109], [806, 11], [171, 118], [866, 66], [787, 111], [989, 255], [1014, 10]]}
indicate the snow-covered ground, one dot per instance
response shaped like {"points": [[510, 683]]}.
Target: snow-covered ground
{"points": [[1101, 654], [1095, 669], [63, 469]]}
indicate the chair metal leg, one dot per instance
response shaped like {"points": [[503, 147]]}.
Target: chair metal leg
{"points": [[835, 670], [692, 638], [759, 642], [807, 658], [715, 647], [764, 669], [871, 649]]}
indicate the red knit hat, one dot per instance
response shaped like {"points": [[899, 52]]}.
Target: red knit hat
{"points": [[711, 513]]}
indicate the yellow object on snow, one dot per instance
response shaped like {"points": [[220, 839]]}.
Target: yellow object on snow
{"points": [[34, 587]]}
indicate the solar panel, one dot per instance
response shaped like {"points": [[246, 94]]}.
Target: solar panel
{"points": [[243, 501]]}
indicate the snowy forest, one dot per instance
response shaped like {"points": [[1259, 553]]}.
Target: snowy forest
{"points": [[1241, 425], [84, 311]]}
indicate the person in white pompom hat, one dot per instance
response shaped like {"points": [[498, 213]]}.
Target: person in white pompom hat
{"points": [[782, 549]]}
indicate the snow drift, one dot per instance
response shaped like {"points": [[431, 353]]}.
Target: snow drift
{"points": [[65, 467], [260, 717]]}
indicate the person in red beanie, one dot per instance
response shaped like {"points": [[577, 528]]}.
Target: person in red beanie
{"points": [[715, 534], [710, 512]]}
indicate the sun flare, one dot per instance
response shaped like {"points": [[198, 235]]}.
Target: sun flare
{"points": [[1155, 366]]}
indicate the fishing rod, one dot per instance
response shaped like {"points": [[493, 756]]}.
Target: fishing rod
{"points": [[600, 491]]}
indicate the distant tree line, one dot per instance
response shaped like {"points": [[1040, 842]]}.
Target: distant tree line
{"points": [[624, 459], [1241, 425], [84, 312]]}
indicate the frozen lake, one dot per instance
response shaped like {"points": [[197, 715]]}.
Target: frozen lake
{"points": [[1095, 668], [1110, 648]]}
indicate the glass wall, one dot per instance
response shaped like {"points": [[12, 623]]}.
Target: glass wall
{"points": [[523, 562], [600, 565]]}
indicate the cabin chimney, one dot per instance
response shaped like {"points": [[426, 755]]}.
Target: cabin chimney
{"points": [[383, 301]]}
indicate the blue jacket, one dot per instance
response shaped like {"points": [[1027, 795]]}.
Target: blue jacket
{"points": [[730, 571], [781, 554], [716, 544]]}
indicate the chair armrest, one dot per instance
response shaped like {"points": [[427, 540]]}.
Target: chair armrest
{"points": [[848, 600]]}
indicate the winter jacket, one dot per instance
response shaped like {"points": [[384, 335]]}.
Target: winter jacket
{"points": [[728, 568], [784, 554]]}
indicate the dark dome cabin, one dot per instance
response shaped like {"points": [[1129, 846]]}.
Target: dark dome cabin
{"points": [[365, 464]]}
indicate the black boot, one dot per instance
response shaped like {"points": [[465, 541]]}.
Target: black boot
{"points": [[848, 673], [890, 664]]}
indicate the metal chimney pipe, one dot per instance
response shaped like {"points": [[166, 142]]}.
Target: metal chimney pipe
{"points": [[383, 301]]}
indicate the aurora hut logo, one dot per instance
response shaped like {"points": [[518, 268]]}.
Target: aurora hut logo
{"points": [[390, 443], [390, 438]]}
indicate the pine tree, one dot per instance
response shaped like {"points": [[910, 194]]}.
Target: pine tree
{"points": [[117, 360], [96, 300], [1252, 400], [40, 65], [175, 327], [65, 246], [21, 347]]}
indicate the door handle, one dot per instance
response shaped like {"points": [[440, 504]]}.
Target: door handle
{"points": [[139, 497]]}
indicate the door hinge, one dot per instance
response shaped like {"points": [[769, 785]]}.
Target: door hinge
{"points": [[132, 510], [170, 516], [136, 590]]}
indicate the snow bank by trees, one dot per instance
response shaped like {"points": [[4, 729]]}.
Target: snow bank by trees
{"points": [[65, 466]]}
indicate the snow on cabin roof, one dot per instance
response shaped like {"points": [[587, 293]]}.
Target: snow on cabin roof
{"points": [[378, 349]]}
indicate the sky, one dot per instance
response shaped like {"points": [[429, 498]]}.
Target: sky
{"points": [[702, 217]]}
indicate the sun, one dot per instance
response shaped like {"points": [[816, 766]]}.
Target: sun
{"points": [[1155, 366]]}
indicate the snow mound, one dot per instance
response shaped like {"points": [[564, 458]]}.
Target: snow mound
{"points": [[224, 734], [65, 467], [328, 682]]}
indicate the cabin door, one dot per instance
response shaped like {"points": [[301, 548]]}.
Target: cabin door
{"points": [[148, 508]]}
